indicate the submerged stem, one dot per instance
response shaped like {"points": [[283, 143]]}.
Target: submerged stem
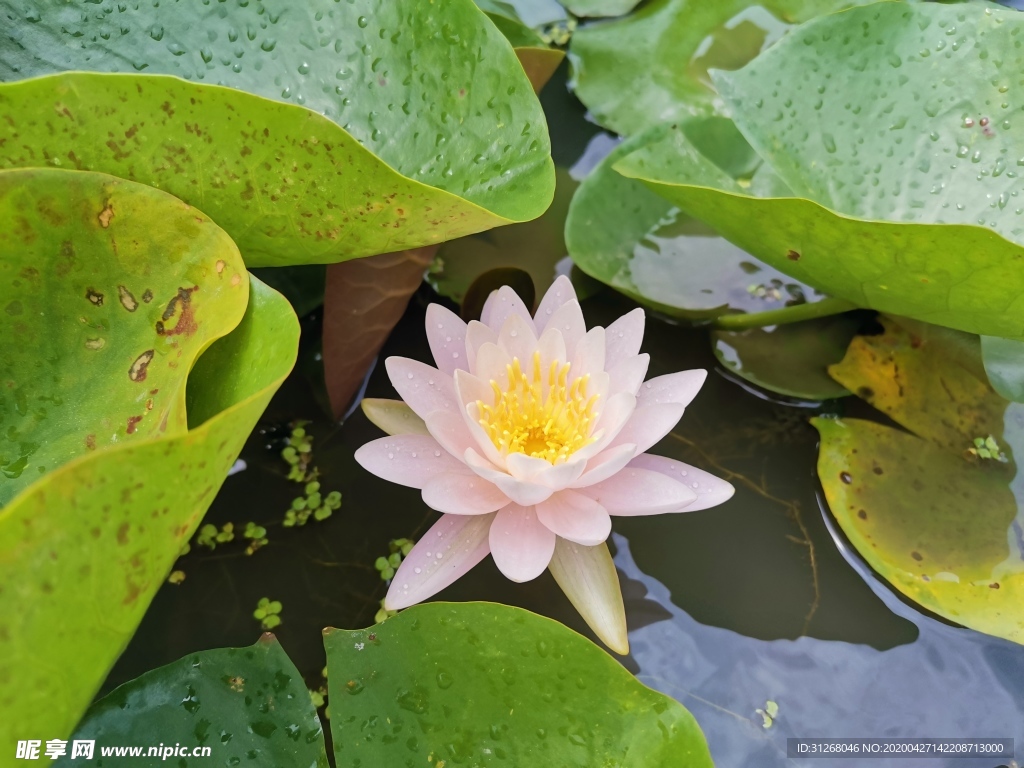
{"points": [[794, 314]]}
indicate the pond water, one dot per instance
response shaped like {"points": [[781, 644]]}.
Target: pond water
{"points": [[759, 599]]}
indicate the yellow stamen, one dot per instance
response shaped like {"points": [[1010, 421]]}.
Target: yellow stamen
{"points": [[544, 417]]}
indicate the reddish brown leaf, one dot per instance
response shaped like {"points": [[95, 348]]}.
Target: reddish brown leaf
{"points": [[363, 301]]}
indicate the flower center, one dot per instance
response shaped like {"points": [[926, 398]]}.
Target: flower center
{"points": [[546, 418]]}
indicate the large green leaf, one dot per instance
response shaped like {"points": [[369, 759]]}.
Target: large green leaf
{"points": [[929, 511], [475, 683], [247, 705], [90, 541], [623, 234], [383, 127], [956, 275], [652, 66], [891, 125]]}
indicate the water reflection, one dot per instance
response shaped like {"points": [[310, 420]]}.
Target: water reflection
{"points": [[950, 682]]}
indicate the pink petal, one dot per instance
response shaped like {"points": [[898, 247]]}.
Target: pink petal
{"points": [[446, 334], [518, 340], [470, 389], [461, 543], [521, 492], [450, 430], [523, 467], [606, 464], [616, 413], [423, 387], [551, 346], [649, 424], [409, 460], [589, 355], [679, 387], [636, 491], [568, 320], [477, 334], [575, 517], [542, 472], [459, 494], [628, 375], [520, 545], [488, 308], [598, 385], [624, 337], [492, 363], [560, 292], [711, 491], [500, 305]]}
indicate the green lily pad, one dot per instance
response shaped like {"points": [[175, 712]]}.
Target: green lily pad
{"points": [[346, 129], [893, 159], [634, 240], [1004, 365], [534, 246], [243, 704], [956, 275], [652, 66], [88, 542], [789, 359], [931, 512], [539, 693]]}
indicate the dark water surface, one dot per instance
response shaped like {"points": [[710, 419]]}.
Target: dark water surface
{"points": [[730, 607]]}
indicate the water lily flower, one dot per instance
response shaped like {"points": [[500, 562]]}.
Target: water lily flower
{"points": [[529, 435]]}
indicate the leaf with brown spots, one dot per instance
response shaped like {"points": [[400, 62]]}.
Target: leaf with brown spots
{"points": [[83, 353], [927, 378], [402, 127], [131, 457], [931, 523], [930, 516]]}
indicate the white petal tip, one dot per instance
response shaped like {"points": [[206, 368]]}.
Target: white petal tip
{"points": [[618, 645], [395, 603], [361, 455]]}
